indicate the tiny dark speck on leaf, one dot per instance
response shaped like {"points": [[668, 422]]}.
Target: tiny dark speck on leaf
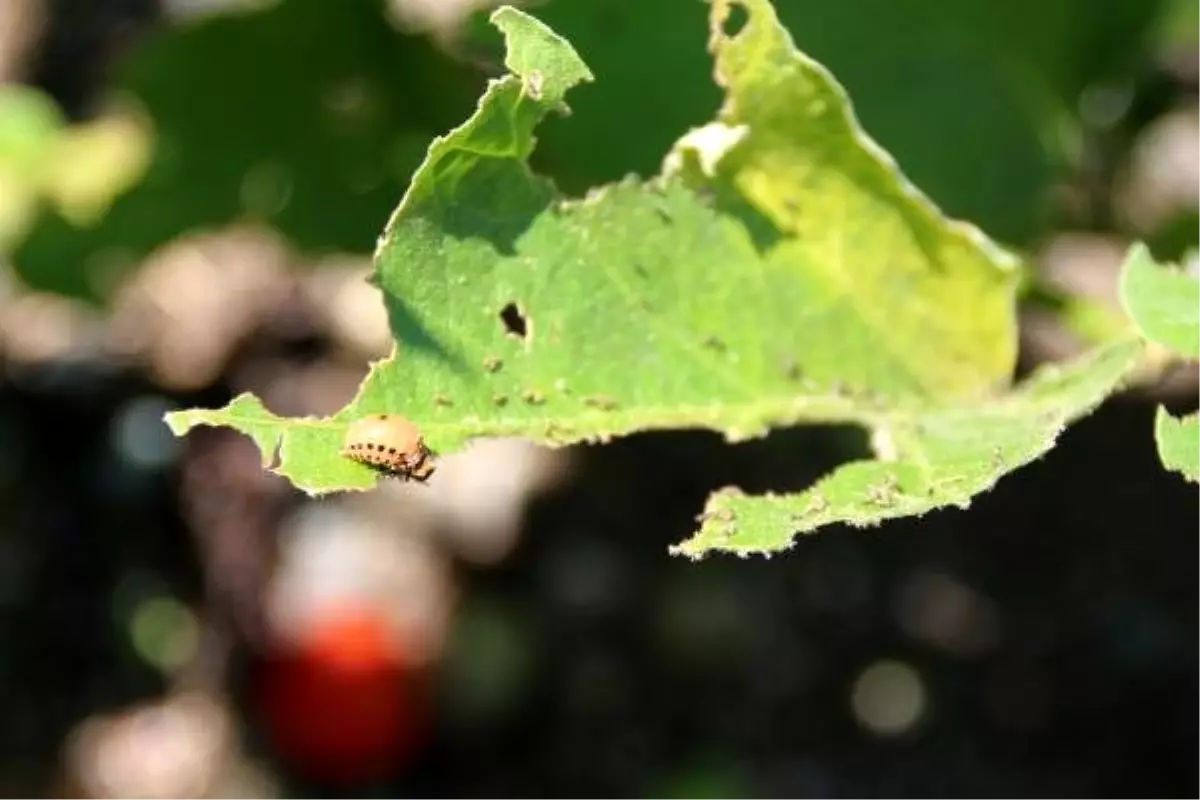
{"points": [[817, 504], [878, 496], [533, 85], [601, 402], [492, 364], [884, 493], [442, 401], [533, 397], [714, 343], [499, 400]]}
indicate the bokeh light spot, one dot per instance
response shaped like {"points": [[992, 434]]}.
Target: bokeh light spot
{"points": [[888, 698], [141, 437], [165, 633]]}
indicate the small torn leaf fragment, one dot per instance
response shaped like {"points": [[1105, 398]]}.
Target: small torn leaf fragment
{"points": [[1164, 302]]}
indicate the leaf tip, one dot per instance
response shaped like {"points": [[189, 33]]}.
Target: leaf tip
{"points": [[179, 422], [545, 62]]}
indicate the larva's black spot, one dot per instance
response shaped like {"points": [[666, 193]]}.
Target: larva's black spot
{"points": [[392, 451]]}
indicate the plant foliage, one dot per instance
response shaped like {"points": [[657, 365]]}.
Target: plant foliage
{"points": [[779, 270]]}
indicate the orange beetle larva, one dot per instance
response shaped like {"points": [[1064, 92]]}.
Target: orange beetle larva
{"points": [[390, 444]]}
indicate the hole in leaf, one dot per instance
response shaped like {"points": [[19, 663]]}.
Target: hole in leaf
{"points": [[735, 21], [514, 321]]}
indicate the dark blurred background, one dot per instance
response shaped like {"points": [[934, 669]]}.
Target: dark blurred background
{"points": [[189, 194]]}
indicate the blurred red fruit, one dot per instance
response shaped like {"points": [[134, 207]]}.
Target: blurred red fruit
{"points": [[339, 703]]}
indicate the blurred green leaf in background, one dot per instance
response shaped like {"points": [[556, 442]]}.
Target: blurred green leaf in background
{"points": [[75, 169], [308, 116]]}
